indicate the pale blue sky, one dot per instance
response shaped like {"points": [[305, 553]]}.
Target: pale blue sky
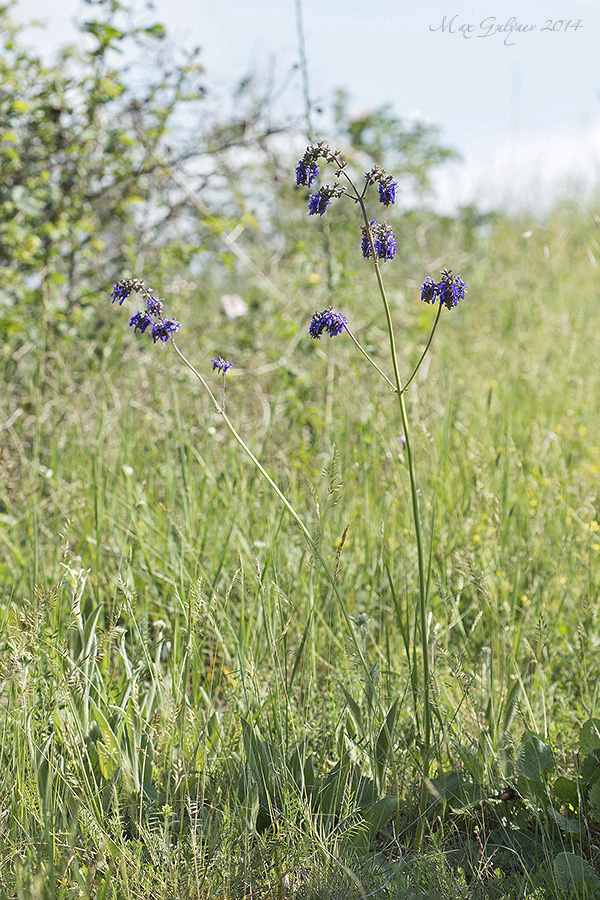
{"points": [[522, 107]]}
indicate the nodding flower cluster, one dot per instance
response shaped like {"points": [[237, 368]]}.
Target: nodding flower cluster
{"points": [[319, 202], [220, 364], [122, 289], [153, 315], [448, 290], [331, 322]]}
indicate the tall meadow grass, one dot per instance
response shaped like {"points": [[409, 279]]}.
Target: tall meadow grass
{"points": [[184, 706]]}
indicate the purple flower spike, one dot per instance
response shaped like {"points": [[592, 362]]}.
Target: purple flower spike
{"points": [[123, 288], [317, 204], [336, 324], [428, 290], [306, 173], [459, 289], [384, 241], [155, 307], [121, 291], [153, 315], [387, 193], [140, 320], [318, 323], [385, 245], [365, 244]]}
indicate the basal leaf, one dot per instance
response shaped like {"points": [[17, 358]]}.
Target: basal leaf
{"points": [[572, 872], [536, 759]]}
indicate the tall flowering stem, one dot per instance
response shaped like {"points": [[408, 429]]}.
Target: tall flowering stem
{"points": [[371, 251], [370, 360], [423, 581], [379, 243], [331, 323]]}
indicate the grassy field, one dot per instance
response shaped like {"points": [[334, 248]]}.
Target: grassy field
{"points": [[184, 706]]}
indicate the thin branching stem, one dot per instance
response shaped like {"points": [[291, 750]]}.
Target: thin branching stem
{"points": [[427, 346], [370, 359]]}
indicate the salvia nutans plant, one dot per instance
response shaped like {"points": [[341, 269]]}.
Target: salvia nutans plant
{"points": [[378, 245]]}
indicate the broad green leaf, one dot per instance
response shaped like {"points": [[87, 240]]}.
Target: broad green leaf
{"points": [[565, 790], [44, 771], [589, 770], [301, 767], [594, 801], [109, 750], [470, 760], [566, 825], [89, 634], [385, 738], [466, 797], [536, 759], [358, 838], [573, 872], [589, 737], [146, 760], [534, 790], [355, 711], [377, 815], [250, 807], [107, 761]]}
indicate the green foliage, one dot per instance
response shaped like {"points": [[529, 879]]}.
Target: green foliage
{"points": [[536, 760], [73, 171], [92, 172], [343, 804]]}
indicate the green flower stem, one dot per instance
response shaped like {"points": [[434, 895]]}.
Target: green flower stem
{"points": [[419, 539], [328, 573], [371, 360], [427, 346]]}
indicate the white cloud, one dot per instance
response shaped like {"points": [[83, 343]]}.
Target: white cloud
{"points": [[528, 174]]}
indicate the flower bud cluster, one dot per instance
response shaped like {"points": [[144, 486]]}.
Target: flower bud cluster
{"points": [[319, 202], [307, 171], [123, 288]]}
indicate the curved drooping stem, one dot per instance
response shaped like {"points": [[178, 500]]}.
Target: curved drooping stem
{"points": [[297, 518]]}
